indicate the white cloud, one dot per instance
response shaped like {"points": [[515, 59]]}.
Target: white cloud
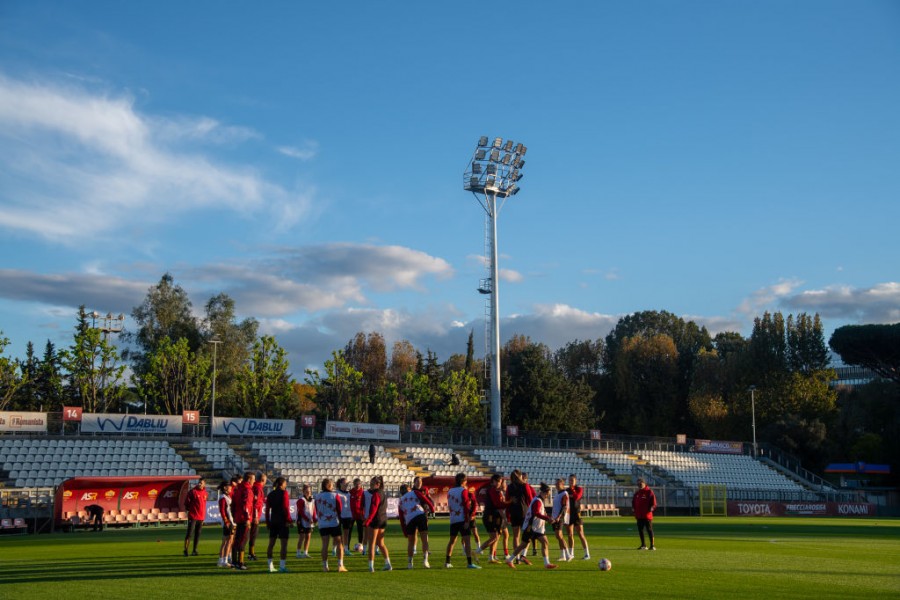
{"points": [[510, 276], [306, 151], [877, 304], [93, 161], [768, 297]]}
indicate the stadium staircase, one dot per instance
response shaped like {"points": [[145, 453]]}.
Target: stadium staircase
{"points": [[474, 461], [599, 465], [408, 461], [196, 461]]}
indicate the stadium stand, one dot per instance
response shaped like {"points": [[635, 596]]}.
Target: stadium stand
{"points": [[46, 463], [618, 464], [543, 465], [732, 470], [437, 461], [311, 462], [220, 455]]}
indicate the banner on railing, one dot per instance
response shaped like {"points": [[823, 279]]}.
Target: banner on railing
{"points": [[139, 424], [801, 509], [362, 431], [246, 426], [31, 422], [719, 447]]}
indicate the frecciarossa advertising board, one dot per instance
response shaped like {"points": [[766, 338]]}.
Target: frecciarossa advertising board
{"points": [[237, 426]]}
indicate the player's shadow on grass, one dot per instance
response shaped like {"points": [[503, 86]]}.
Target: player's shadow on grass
{"points": [[95, 568]]}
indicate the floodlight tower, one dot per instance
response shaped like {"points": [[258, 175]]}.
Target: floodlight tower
{"points": [[492, 176]]}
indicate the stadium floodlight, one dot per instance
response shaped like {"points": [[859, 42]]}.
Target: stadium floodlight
{"points": [[752, 389], [492, 180], [212, 413]]}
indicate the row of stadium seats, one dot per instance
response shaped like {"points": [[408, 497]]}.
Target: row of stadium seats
{"points": [[47, 463], [310, 463], [220, 455], [619, 464], [543, 466], [437, 461], [732, 470], [133, 517]]}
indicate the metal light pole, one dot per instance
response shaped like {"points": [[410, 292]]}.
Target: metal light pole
{"points": [[753, 417], [491, 175], [212, 414], [108, 324]]}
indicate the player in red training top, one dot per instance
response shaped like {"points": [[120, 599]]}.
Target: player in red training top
{"points": [[306, 520], [376, 522], [243, 507], [259, 502], [494, 515], [461, 505], [278, 520], [576, 524], [519, 495], [414, 507], [227, 523], [357, 508], [328, 509], [195, 503], [534, 525], [644, 503]]}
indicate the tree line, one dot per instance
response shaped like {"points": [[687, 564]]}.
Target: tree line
{"points": [[654, 374]]}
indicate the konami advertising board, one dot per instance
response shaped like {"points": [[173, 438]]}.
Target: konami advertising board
{"points": [[801, 509]]}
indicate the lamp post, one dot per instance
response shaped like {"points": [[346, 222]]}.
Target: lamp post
{"points": [[212, 414], [753, 416], [491, 175], [108, 324]]}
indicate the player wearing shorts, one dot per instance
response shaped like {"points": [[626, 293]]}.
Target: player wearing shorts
{"points": [[346, 514], [259, 498], [460, 503], [493, 517], [243, 509], [195, 503], [415, 505], [278, 520], [357, 508], [227, 523], [576, 524], [561, 518], [376, 522], [519, 495], [306, 520], [329, 506], [534, 529]]}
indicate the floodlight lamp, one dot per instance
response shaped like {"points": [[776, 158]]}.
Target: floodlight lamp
{"points": [[508, 145], [491, 169], [473, 182], [521, 163], [524, 150], [490, 181], [498, 142], [482, 141], [506, 159], [520, 149], [495, 156], [513, 190], [476, 167], [480, 154]]}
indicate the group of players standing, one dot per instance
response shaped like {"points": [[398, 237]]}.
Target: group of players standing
{"points": [[337, 508]]}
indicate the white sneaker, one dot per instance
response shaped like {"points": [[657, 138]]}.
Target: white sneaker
{"points": [[448, 566], [272, 568], [425, 565], [371, 568], [586, 557], [478, 550]]}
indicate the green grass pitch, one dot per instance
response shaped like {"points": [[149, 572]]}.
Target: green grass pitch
{"points": [[697, 558]]}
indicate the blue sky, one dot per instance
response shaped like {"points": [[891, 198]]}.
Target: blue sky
{"points": [[713, 159]]}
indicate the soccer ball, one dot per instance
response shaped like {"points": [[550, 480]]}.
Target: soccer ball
{"points": [[604, 564], [358, 548]]}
